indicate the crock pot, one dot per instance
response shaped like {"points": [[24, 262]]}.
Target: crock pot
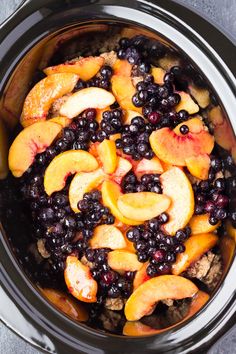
{"points": [[29, 33]]}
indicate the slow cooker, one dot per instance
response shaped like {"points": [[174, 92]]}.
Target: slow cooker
{"points": [[27, 38]]}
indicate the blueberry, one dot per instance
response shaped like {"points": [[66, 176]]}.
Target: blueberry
{"points": [[219, 184], [163, 218], [113, 292], [106, 71], [183, 115], [213, 220], [184, 129], [69, 222], [179, 248]]}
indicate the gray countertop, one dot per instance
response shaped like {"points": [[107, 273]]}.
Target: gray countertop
{"points": [[223, 13]]}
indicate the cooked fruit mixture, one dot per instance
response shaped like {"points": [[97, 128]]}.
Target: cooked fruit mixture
{"points": [[125, 193]]}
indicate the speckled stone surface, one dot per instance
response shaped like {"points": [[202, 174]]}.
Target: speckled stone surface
{"points": [[223, 13]]}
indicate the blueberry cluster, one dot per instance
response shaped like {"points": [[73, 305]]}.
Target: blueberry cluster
{"points": [[154, 96], [139, 50], [111, 123], [101, 80], [148, 183], [134, 139], [154, 246], [112, 284], [210, 195]]}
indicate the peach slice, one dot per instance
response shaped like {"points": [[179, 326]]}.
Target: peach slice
{"points": [[168, 61], [156, 289], [158, 74], [108, 236], [3, 150], [174, 148], [30, 142], [195, 247], [86, 68], [143, 206], [82, 183], [122, 67], [124, 90], [202, 96], [230, 230], [149, 166], [114, 137], [227, 250], [141, 276], [63, 121], [199, 166], [122, 168], [176, 185], [65, 164], [91, 97], [223, 133], [137, 328], [107, 155], [200, 224], [186, 103], [129, 115], [110, 194], [79, 281], [66, 304], [123, 261], [42, 95]]}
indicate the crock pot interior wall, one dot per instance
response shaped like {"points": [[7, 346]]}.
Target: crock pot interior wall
{"points": [[68, 325]]}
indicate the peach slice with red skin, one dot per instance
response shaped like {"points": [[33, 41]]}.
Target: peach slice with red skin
{"points": [[143, 206], [90, 97], [107, 236], [137, 328], [174, 148], [43, 94], [124, 90], [84, 182], [110, 194], [141, 276], [122, 67], [86, 68], [65, 164], [186, 103], [30, 142], [199, 166], [66, 304], [79, 280], [178, 188], [195, 247], [200, 224], [145, 297], [123, 261], [3, 150], [146, 166], [107, 155], [122, 168]]}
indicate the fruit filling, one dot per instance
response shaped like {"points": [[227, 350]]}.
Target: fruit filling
{"points": [[121, 187]]}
